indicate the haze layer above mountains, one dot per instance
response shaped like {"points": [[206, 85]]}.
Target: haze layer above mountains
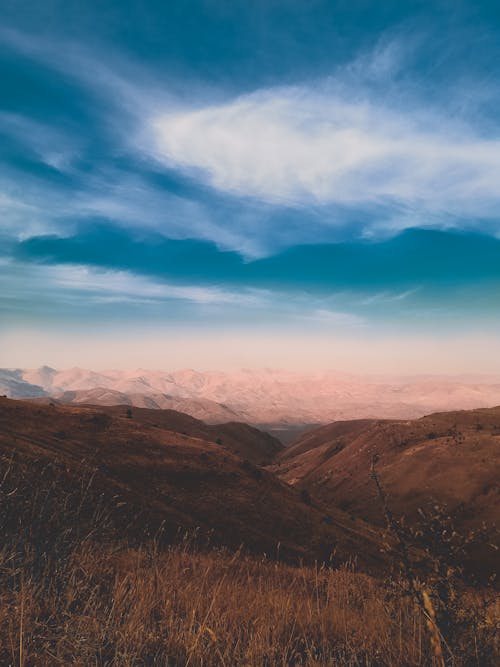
{"points": [[267, 396]]}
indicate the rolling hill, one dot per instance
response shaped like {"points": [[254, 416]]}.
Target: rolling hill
{"points": [[258, 447], [150, 475], [450, 459]]}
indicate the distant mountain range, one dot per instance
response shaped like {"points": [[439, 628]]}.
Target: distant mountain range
{"points": [[273, 397]]}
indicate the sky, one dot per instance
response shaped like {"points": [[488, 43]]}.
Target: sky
{"points": [[215, 184]]}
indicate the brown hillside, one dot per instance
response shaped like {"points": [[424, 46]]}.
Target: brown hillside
{"points": [[332, 436], [450, 458], [250, 443], [149, 475]]}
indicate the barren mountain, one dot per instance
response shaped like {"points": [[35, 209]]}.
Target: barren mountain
{"points": [[260, 396], [201, 408], [14, 384]]}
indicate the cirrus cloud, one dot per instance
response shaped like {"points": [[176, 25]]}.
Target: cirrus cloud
{"points": [[328, 145]]}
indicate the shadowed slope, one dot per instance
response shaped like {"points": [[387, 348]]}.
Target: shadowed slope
{"points": [[242, 439], [151, 475]]}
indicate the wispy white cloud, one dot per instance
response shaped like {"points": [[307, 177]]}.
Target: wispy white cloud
{"points": [[21, 216], [118, 285], [49, 144], [27, 286], [386, 297], [335, 318], [53, 282], [123, 198], [366, 147], [308, 145]]}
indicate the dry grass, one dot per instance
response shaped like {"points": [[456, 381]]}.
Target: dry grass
{"points": [[77, 589], [142, 606]]}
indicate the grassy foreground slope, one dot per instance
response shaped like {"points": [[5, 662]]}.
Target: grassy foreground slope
{"points": [[104, 560], [122, 607]]}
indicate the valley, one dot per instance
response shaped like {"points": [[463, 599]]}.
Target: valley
{"points": [[243, 535]]}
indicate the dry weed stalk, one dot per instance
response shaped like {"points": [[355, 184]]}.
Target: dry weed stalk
{"points": [[417, 590], [431, 554]]}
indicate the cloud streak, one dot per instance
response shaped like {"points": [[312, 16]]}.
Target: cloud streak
{"points": [[65, 290], [303, 145], [100, 286]]}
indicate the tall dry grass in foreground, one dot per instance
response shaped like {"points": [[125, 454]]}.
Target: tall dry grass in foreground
{"points": [[72, 592], [105, 606]]}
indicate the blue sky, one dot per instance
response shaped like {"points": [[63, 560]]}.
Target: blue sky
{"points": [[272, 177]]}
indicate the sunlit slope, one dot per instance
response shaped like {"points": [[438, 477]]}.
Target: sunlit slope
{"points": [[450, 459]]}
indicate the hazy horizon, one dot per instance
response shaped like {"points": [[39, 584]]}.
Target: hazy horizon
{"points": [[130, 369], [385, 356]]}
